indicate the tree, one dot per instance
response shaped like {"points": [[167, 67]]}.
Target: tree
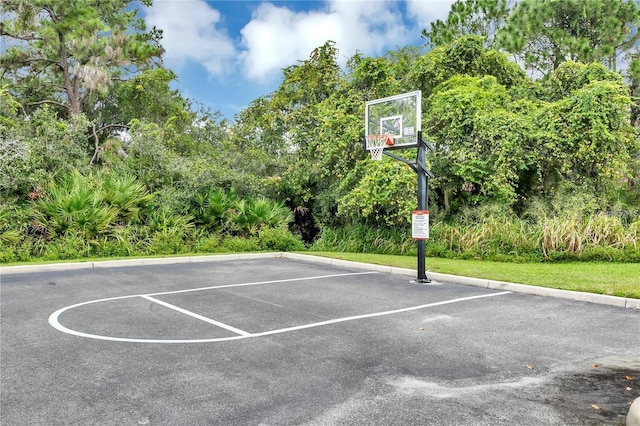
{"points": [[585, 138], [311, 81], [545, 33], [469, 17], [384, 197], [633, 73], [482, 139], [295, 116], [260, 126], [147, 97], [571, 76], [377, 77], [39, 148], [60, 52], [303, 87], [465, 55]]}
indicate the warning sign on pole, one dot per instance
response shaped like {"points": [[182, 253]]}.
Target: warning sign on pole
{"points": [[420, 224]]}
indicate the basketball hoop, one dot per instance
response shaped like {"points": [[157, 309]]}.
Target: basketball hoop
{"points": [[376, 145]]}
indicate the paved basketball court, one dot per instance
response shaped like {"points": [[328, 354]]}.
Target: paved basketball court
{"points": [[281, 341]]}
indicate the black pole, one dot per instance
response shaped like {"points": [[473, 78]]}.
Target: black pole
{"points": [[420, 167], [423, 204]]}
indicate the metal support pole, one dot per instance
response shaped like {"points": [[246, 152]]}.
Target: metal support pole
{"points": [[420, 167], [423, 204]]}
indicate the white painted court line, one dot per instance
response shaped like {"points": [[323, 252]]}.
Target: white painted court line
{"points": [[376, 314], [290, 280], [53, 319], [197, 316], [55, 322]]}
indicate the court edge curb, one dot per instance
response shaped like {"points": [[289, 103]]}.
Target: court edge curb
{"points": [[456, 279], [623, 302], [23, 269]]}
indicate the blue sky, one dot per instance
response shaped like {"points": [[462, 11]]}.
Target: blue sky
{"points": [[228, 53]]}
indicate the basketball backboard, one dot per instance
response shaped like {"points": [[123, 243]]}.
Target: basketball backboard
{"points": [[398, 116]]}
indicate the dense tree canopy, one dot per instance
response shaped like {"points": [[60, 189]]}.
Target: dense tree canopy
{"points": [[545, 33], [469, 17], [62, 52]]}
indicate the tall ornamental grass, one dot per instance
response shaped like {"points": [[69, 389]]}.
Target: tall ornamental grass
{"points": [[365, 239], [595, 237], [568, 237]]}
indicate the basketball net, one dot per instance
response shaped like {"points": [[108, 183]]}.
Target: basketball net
{"points": [[376, 145]]}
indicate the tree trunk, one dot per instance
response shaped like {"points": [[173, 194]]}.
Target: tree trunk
{"points": [[71, 88]]}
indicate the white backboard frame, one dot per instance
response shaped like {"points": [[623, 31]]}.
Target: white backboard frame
{"points": [[398, 115]]}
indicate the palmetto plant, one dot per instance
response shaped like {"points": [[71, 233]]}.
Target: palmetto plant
{"points": [[168, 231], [212, 208], [218, 210], [241, 218], [252, 214], [168, 223], [126, 195], [7, 234], [73, 205], [273, 213]]}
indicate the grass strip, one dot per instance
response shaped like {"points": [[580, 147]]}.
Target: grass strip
{"points": [[615, 279]]}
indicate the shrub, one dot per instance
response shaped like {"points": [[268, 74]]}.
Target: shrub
{"points": [[7, 254], [168, 232], [8, 234], [236, 244], [74, 206], [384, 197], [120, 244], [164, 221], [362, 238], [124, 193], [167, 243], [66, 247], [278, 239], [208, 244], [212, 208], [250, 215], [39, 148]]}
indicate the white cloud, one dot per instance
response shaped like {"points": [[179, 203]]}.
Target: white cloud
{"points": [[428, 11], [190, 33], [277, 37]]}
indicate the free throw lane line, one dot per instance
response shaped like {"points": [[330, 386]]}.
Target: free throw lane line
{"points": [[53, 320], [289, 280], [374, 314], [197, 316]]}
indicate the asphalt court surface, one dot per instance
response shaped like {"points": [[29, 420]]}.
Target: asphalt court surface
{"points": [[281, 341]]}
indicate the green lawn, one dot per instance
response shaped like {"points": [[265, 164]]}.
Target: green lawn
{"points": [[616, 279]]}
